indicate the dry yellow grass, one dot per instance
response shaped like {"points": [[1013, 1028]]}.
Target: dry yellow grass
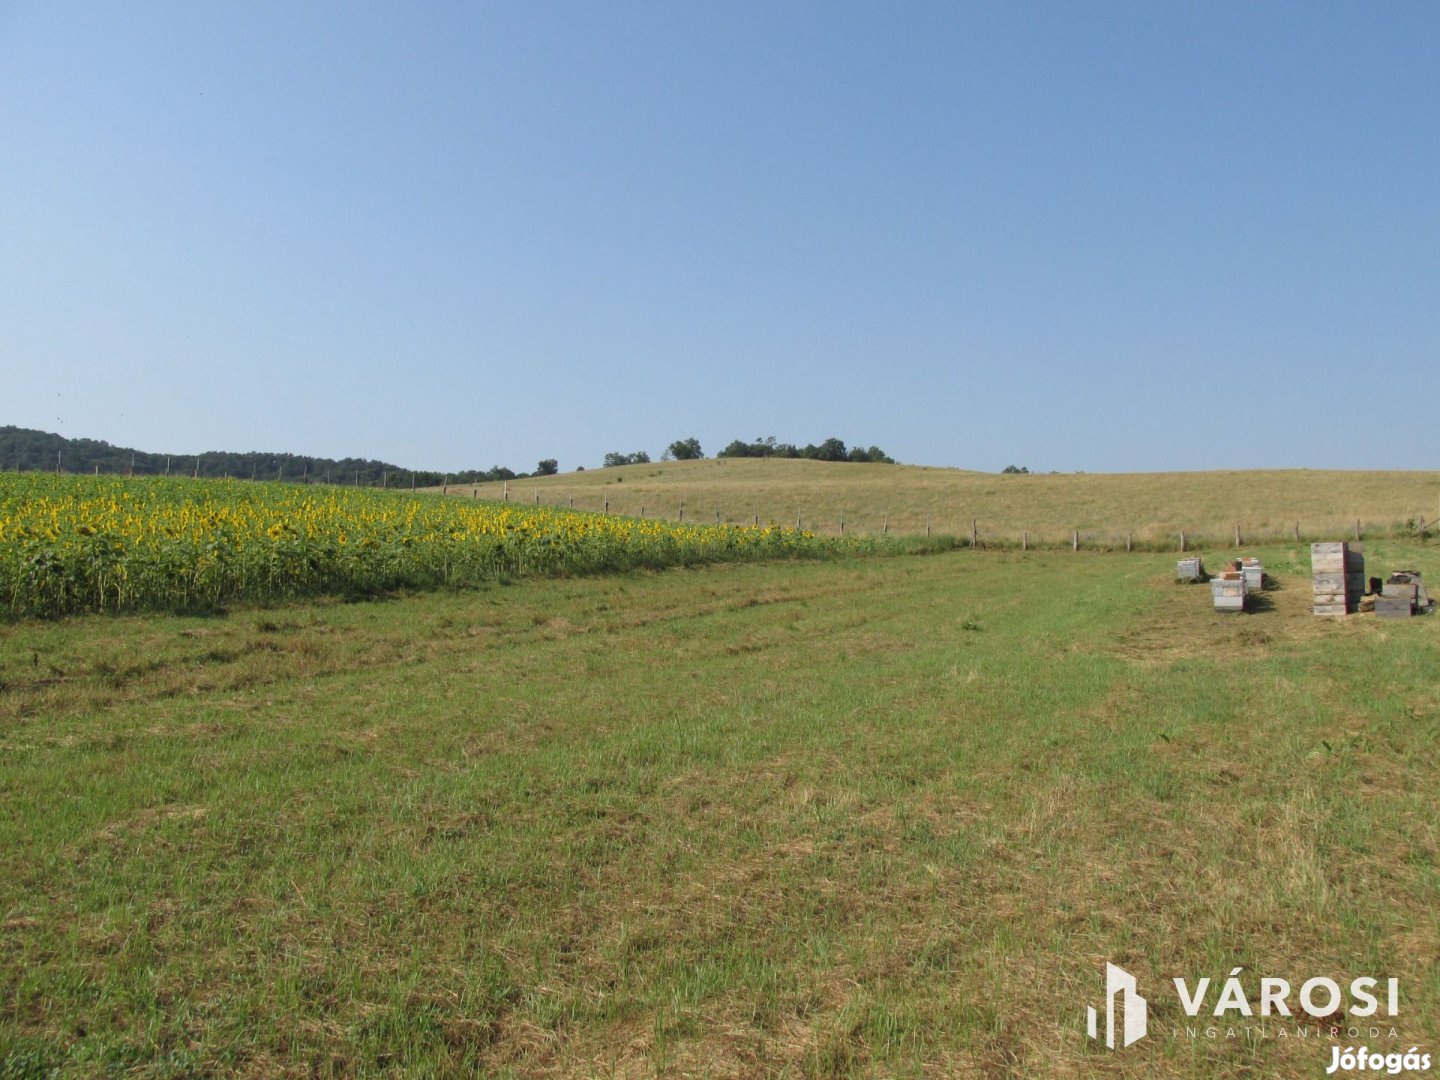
{"points": [[1154, 507]]}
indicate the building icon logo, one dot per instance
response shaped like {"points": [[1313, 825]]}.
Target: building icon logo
{"points": [[1119, 983]]}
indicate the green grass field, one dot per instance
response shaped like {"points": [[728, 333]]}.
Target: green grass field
{"points": [[1102, 507], [868, 817]]}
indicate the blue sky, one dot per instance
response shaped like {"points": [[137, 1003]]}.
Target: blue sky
{"points": [[1098, 236]]}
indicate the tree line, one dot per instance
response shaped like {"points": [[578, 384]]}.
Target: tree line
{"points": [[29, 450], [679, 450], [25, 449], [831, 449]]}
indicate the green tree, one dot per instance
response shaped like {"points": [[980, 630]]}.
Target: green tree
{"points": [[547, 467], [686, 450], [640, 457]]}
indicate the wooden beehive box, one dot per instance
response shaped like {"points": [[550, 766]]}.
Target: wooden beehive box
{"points": [[1404, 587], [1327, 566], [1405, 583], [1394, 607], [1228, 591], [1190, 569], [1401, 595], [1254, 574], [1338, 577]]}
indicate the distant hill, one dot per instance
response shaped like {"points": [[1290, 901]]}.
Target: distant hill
{"points": [[1103, 508], [31, 450]]}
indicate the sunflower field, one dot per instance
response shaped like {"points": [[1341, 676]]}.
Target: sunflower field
{"points": [[71, 544]]}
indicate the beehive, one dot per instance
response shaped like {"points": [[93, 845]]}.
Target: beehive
{"points": [[1338, 577], [1394, 607], [1402, 595], [1190, 569], [1228, 591], [1254, 574]]}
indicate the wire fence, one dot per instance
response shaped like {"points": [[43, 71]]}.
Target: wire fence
{"points": [[942, 522], [969, 531]]}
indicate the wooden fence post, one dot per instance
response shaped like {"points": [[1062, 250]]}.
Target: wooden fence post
{"points": [[974, 533], [1357, 528], [1129, 541], [885, 524], [1182, 541], [1297, 532], [927, 526], [682, 510], [1237, 534], [1075, 541], [842, 524], [607, 506], [1025, 540]]}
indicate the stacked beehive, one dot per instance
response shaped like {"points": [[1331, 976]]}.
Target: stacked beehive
{"points": [[1339, 577], [1402, 595]]}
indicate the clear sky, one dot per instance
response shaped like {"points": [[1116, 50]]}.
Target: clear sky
{"points": [[1099, 236]]}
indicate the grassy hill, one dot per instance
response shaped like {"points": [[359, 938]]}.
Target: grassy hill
{"points": [[1103, 507]]}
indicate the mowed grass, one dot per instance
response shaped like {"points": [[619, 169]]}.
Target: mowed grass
{"points": [[876, 817], [1154, 507]]}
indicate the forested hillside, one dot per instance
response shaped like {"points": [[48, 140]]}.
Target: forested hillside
{"points": [[29, 450]]}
